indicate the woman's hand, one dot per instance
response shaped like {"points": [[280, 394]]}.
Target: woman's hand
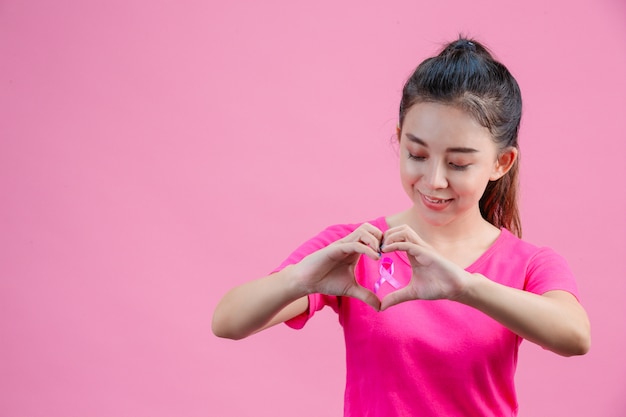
{"points": [[433, 278], [331, 270]]}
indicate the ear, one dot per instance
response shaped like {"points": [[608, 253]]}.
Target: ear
{"points": [[503, 164], [398, 132]]}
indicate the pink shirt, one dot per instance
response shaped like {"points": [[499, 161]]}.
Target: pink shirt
{"points": [[433, 358]]}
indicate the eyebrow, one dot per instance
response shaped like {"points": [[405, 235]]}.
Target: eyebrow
{"points": [[419, 141]]}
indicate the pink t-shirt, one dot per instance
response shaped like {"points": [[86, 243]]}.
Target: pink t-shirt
{"points": [[433, 358]]}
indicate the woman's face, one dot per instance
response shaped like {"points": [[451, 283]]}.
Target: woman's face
{"points": [[446, 160]]}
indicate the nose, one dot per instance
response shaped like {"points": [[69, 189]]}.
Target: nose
{"points": [[435, 176]]}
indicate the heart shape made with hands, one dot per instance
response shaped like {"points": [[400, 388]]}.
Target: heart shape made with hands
{"points": [[432, 276]]}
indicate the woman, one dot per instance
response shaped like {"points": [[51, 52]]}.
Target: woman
{"points": [[465, 289]]}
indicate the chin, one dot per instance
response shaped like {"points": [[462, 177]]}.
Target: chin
{"points": [[434, 219]]}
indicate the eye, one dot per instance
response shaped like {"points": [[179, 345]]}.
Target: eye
{"points": [[416, 157], [457, 167]]}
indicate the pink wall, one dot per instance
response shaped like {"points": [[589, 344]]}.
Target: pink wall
{"points": [[155, 153]]}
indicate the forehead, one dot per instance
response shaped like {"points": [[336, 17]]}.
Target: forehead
{"points": [[439, 124]]}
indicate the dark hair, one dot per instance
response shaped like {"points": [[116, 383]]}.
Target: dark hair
{"points": [[466, 75]]}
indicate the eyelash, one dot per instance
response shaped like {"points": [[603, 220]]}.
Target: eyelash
{"points": [[458, 167], [453, 166], [416, 158]]}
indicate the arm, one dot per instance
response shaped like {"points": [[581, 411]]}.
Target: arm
{"points": [[262, 303], [258, 305], [554, 320]]}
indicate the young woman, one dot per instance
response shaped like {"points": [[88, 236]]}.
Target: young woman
{"points": [[464, 287]]}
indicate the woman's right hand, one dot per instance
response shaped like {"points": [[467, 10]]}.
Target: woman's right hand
{"points": [[331, 270]]}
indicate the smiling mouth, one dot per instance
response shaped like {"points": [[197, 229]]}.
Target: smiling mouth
{"points": [[436, 200]]}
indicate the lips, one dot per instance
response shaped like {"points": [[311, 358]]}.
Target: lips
{"points": [[435, 203], [434, 200]]}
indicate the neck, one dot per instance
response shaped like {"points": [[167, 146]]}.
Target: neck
{"points": [[471, 227]]}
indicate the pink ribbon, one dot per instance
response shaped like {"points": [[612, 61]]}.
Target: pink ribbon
{"points": [[386, 274]]}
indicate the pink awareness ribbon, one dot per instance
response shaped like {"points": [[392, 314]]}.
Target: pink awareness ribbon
{"points": [[386, 274]]}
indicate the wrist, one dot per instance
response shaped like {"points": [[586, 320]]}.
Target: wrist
{"points": [[470, 289], [293, 281]]}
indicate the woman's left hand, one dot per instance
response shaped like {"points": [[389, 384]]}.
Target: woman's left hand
{"points": [[433, 278]]}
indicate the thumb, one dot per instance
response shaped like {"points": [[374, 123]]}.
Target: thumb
{"points": [[396, 297], [364, 295]]}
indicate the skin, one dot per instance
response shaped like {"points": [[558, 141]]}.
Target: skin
{"points": [[447, 160]]}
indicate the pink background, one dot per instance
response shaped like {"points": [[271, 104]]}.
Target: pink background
{"points": [[154, 154]]}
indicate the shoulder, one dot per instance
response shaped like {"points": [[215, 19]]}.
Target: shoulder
{"points": [[545, 269], [518, 247]]}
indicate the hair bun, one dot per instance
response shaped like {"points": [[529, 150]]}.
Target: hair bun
{"points": [[464, 44]]}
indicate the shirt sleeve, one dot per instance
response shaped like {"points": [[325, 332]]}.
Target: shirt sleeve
{"points": [[316, 301], [549, 271]]}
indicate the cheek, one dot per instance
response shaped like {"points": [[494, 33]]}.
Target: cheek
{"points": [[464, 188], [408, 178], [409, 171], [470, 185]]}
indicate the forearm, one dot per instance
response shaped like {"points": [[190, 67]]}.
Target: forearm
{"points": [[554, 320], [250, 307]]}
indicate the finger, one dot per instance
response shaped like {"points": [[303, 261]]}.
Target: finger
{"points": [[358, 247], [397, 297], [418, 255], [364, 229], [410, 248], [401, 234], [373, 230], [371, 241], [367, 234], [364, 295], [398, 228]]}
